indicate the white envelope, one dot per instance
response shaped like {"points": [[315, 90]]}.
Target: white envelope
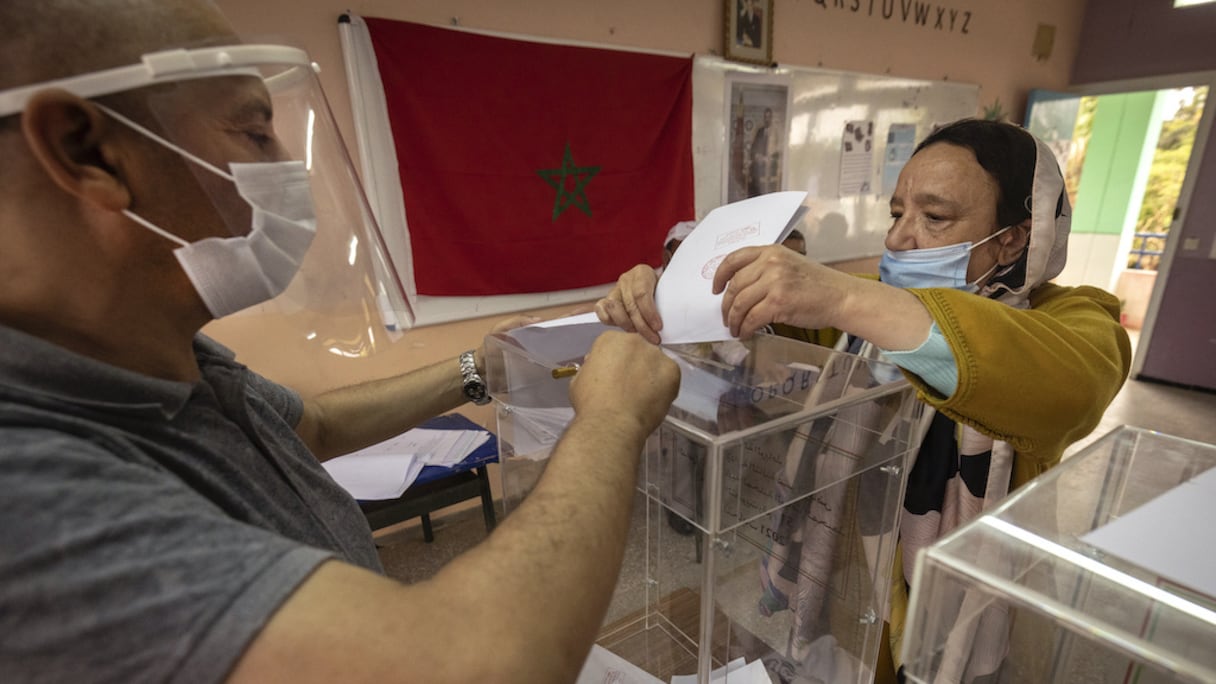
{"points": [[684, 295]]}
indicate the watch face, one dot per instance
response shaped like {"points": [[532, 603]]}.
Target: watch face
{"points": [[475, 390]]}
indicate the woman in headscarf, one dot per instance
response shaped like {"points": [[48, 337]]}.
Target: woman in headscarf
{"points": [[1017, 368]]}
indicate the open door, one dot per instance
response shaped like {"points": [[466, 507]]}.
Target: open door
{"points": [[1130, 161], [1178, 340]]}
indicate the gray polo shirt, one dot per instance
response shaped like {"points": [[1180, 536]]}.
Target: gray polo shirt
{"points": [[149, 528]]}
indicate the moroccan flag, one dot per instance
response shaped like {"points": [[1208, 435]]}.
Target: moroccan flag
{"points": [[530, 167]]}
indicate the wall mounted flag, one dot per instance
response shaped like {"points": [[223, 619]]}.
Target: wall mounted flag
{"points": [[533, 167]]}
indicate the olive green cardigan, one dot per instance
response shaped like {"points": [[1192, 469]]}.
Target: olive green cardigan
{"points": [[1039, 378]]}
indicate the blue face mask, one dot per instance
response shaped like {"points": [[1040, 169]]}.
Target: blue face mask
{"points": [[933, 267]]}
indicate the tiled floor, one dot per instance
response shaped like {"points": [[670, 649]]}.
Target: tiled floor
{"points": [[1172, 410], [1186, 413]]}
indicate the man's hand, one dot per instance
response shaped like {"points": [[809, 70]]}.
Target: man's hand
{"points": [[624, 378], [630, 305]]}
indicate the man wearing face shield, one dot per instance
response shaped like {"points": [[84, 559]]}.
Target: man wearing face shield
{"points": [[165, 516], [1016, 367]]}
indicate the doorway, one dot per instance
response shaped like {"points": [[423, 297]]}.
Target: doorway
{"points": [[1124, 157]]}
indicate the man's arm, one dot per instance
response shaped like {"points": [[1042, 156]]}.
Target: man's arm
{"points": [[525, 605], [350, 418]]}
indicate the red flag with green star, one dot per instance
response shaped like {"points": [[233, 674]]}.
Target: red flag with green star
{"points": [[532, 167]]}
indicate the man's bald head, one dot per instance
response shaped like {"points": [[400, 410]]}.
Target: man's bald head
{"points": [[49, 39], [43, 40]]}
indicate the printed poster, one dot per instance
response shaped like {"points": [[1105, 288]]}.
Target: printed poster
{"points": [[856, 158], [901, 141]]}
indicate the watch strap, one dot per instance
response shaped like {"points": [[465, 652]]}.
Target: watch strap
{"points": [[473, 385]]}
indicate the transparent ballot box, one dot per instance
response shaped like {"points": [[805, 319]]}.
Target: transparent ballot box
{"points": [[764, 519], [1101, 570]]}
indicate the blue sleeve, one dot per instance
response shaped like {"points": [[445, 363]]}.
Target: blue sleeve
{"points": [[933, 361]]}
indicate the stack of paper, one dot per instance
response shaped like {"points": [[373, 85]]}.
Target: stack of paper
{"points": [[387, 469], [737, 671]]}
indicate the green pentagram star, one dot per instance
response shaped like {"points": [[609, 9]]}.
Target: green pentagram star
{"points": [[557, 179]]}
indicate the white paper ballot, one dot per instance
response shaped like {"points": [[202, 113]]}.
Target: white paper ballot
{"points": [[684, 296], [386, 470], [572, 342], [576, 319], [374, 477], [737, 671], [1172, 535], [436, 447], [536, 430], [700, 391]]}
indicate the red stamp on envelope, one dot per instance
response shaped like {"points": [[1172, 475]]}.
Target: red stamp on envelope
{"points": [[737, 235]]}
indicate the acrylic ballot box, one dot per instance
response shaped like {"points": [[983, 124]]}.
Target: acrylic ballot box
{"points": [[765, 510], [1100, 570]]}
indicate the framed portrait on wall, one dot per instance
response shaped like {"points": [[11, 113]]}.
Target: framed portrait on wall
{"points": [[749, 31], [757, 119]]}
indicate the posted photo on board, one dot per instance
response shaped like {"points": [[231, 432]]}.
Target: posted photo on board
{"points": [[757, 117], [749, 31]]}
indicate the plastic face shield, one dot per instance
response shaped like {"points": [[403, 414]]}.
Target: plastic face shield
{"points": [[260, 103]]}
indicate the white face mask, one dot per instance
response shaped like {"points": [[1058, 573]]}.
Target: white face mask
{"points": [[234, 273]]}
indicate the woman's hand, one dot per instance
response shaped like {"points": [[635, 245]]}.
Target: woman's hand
{"points": [[630, 305], [764, 285], [773, 284]]}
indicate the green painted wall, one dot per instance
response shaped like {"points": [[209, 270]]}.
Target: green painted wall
{"points": [[1112, 183]]}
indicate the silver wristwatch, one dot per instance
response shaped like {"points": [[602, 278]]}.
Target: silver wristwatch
{"points": [[474, 384]]}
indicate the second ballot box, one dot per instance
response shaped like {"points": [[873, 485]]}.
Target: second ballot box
{"points": [[763, 530], [1101, 570]]}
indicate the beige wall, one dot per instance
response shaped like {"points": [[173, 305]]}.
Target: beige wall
{"points": [[995, 53], [854, 35]]}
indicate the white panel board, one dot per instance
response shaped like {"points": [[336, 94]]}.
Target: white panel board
{"points": [[821, 102]]}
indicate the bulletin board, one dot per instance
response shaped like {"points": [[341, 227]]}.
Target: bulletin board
{"points": [[843, 223]]}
